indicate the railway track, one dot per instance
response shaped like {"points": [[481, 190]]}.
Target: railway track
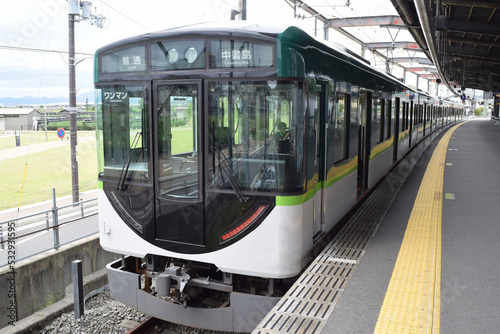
{"points": [[150, 325], [157, 326]]}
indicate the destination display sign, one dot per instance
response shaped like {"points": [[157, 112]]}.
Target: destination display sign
{"points": [[128, 60], [236, 57], [232, 53], [131, 63]]}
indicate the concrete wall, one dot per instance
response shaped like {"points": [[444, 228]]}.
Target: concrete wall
{"points": [[41, 280]]}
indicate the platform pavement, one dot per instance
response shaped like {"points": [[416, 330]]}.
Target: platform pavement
{"points": [[470, 257]]}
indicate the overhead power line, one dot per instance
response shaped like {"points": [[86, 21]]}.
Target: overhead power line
{"points": [[18, 48], [124, 15]]}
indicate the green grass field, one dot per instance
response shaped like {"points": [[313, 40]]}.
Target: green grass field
{"points": [[46, 170], [182, 140]]}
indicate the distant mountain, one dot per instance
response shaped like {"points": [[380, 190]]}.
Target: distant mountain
{"points": [[82, 98], [31, 100]]}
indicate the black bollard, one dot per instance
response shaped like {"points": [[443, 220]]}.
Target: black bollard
{"points": [[78, 288]]}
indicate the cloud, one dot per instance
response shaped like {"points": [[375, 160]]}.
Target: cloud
{"points": [[43, 24], [29, 23]]}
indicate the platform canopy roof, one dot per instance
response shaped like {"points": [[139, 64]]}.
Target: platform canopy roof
{"points": [[460, 36], [375, 30], [456, 42]]}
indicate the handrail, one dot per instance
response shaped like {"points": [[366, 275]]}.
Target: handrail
{"points": [[47, 211], [33, 227]]}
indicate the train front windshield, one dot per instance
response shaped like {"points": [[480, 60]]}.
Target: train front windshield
{"points": [[122, 133], [254, 136], [251, 132]]}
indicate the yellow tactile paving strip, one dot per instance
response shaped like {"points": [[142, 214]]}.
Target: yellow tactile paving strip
{"points": [[412, 303]]}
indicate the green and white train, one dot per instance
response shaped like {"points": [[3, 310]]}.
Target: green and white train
{"points": [[228, 151]]}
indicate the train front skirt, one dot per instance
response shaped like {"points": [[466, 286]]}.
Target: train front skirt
{"points": [[242, 313]]}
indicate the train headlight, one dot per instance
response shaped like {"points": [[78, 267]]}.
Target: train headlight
{"points": [[173, 56], [191, 55]]}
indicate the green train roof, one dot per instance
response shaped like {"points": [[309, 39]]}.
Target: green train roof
{"points": [[323, 58]]}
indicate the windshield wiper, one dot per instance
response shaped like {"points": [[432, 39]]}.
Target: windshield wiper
{"points": [[225, 168], [126, 163]]}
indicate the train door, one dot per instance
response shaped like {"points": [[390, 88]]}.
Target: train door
{"points": [[364, 134], [318, 104], [178, 162]]}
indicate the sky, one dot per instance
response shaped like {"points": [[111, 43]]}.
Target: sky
{"points": [[43, 25]]}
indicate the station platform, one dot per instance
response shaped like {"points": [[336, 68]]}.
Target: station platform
{"points": [[421, 255]]}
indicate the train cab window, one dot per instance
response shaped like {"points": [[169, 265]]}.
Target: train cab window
{"points": [[255, 136], [339, 123], [122, 133]]}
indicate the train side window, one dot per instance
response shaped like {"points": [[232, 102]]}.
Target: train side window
{"points": [[408, 115], [377, 124], [405, 116], [382, 120], [416, 115], [402, 109], [339, 120], [416, 109], [389, 119], [418, 118]]}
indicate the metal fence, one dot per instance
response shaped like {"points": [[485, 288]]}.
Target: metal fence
{"points": [[33, 234]]}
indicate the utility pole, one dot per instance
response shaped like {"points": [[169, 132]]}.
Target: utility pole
{"points": [[80, 9], [72, 111], [243, 9]]}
